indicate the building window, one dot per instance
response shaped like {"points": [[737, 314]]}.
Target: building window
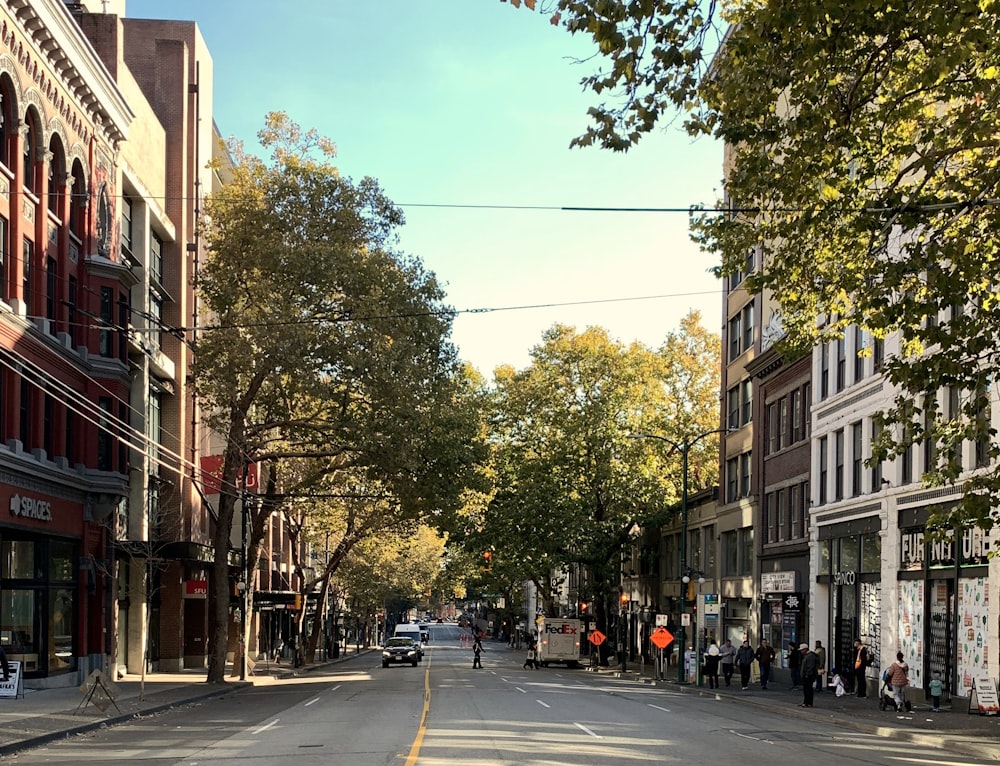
{"points": [[730, 554], [824, 370], [51, 285], [876, 470], [71, 293], [878, 354], [70, 437], [841, 364], [747, 388], [156, 257], [746, 550], [732, 480], [745, 474], [30, 152], [824, 448], [770, 518], [126, 232], [24, 432], [155, 333], [124, 311], [782, 498], [748, 327], [4, 253], [794, 511], [107, 322], [838, 468], [798, 425], [733, 407], [859, 360], [772, 428], [27, 250], [929, 444], [857, 460], [783, 422], [735, 336], [47, 407]]}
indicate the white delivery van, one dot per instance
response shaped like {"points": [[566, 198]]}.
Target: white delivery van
{"points": [[559, 641]]}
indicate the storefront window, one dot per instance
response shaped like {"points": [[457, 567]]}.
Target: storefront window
{"points": [[18, 560], [60, 630], [61, 561], [871, 553], [848, 554], [825, 565], [18, 630]]}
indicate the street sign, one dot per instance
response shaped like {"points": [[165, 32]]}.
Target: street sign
{"points": [[661, 638], [597, 638], [686, 620]]}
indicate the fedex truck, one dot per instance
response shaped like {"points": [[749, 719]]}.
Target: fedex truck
{"points": [[559, 641]]}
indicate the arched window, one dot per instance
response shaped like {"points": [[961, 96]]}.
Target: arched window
{"points": [[57, 174], [78, 202], [8, 123], [31, 137]]}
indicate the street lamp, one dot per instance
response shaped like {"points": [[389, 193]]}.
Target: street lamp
{"points": [[684, 447]]}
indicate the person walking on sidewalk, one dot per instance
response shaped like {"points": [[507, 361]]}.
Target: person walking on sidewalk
{"points": [[820, 653], [862, 659], [810, 667], [712, 666], [765, 656], [727, 659], [899, 678], [794, 664], [744, 659]]}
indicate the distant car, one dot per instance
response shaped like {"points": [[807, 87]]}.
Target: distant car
{"points": [[412, 630], [400, 649]]}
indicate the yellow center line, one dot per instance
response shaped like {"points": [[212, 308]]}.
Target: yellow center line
{"points": [[411, 759]]}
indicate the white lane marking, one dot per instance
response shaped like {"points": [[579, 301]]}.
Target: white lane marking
{"points": [[520, 690], [584, 728], [659, 708], [543, 704], [312, 701], [336, 687], [268, 726], [747, 736]]}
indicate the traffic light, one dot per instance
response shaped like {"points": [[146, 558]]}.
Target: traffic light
{"points": [[624, 600], [487, 560], [584, 606]]}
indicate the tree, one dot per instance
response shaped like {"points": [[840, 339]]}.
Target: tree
{"points": [[863, 158], [323, 345], [572, 482]]}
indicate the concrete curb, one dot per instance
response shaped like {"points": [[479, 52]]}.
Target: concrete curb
{"points": [[83, 728]]}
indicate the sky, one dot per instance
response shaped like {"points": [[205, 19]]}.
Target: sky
{"points": [[474, 103]]}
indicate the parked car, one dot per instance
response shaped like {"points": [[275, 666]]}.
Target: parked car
{"points": [[400, 649]]}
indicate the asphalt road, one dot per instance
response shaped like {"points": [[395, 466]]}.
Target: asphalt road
{"points": [[445, 712]]}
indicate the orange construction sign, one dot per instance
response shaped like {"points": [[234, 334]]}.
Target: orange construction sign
{"points": [[596, 638], [661, 638]]}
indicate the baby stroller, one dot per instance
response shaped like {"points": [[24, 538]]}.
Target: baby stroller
{"points": [[885, 699]]}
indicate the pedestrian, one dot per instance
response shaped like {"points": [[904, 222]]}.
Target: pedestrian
{"points": [[936, 687], [531, 661], [810, 667], [477, 649], [744, 659], [712, 666], [862, 659], [820, 652], [899, 678], [838, 683], [794, 665], [5, 665], [727, 660], [765, 656]]}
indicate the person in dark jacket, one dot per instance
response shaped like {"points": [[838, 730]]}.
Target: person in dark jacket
{"points": [[794, 665], [712, 666], [477, 649], [765, 656], [810, 669], [862, 659], [744, 659]]}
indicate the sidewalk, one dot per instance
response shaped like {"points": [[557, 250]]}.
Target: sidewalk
{"points": [[45, 715], [969, 734]]}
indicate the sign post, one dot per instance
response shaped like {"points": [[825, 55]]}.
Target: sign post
{"points": [[984, 688]]}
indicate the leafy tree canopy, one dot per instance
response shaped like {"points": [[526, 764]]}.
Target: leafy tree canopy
{"points": [[572, 478], [862, 158]]}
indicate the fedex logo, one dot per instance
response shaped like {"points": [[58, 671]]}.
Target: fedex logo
{"points": [[566, 630]]}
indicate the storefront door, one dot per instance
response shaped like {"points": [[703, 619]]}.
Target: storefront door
{"points": [[940, 633]]}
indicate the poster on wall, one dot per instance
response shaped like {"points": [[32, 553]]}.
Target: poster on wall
{"points": [[973, 650], [911, 628]]}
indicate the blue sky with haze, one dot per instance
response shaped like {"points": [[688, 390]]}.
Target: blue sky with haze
{"points": [[474, 102]]}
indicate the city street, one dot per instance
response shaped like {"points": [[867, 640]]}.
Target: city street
{"points": [[360, 713]]}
